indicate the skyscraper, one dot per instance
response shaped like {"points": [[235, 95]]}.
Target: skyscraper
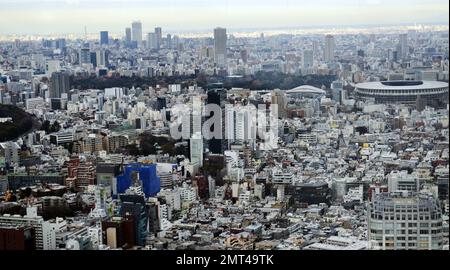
{"points": [[104, 39], [328, 54], [84, 56], [220, 46], [136, 32], [151, 41], [169, 41], [94, 59], [218, 96], [240, 124], [158, 33], [403, 46], [128, 34], [308, 59], [101, 58], [59, 84]]}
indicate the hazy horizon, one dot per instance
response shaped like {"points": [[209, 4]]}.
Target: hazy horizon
{"points": [[44, 17]]}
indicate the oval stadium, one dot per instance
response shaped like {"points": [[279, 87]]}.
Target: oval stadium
{"points": [[432, 93]]}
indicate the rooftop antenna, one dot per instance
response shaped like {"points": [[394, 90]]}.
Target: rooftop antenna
{"points": [[85, 33]]}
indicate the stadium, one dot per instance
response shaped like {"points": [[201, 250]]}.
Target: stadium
{"points": [[432, 93], [306, 91]]}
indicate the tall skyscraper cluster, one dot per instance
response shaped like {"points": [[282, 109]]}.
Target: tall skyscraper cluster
{"points": [[153, 40]]}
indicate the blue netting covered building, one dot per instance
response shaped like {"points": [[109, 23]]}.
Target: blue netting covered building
{"points": [[147, 175]]}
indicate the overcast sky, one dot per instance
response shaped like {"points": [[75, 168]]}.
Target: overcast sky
{"points": [[70, 16]]}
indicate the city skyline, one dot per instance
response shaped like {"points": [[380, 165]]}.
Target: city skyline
{"points": [[71, 16], [224, 125]]}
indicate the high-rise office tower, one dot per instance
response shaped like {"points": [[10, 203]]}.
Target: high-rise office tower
{"points": [[308, 59], [84, 56], [169, 41], [94, 59], [403, 46], [405, 220], [136, 32], [151, 41], [240, 124], [158, 33], [220, 46], [328, 54], [128, 34], [102, 58], [104, 39], [218, 96], [59, 84]]}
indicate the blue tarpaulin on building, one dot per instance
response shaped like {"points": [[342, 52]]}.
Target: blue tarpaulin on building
{"points": [[147, 175]]}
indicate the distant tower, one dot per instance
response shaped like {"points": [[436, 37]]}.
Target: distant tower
{"points": [[152, 41], [136, 32], [84, 56], [158, 33], [104, 39], [101, 58], [218, 96], [169, 41], [308, 59], [59, 84], [328, 54], [220, 46], [403, 46], [128, 34]]}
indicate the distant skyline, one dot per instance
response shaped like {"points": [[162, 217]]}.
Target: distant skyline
{"points": [[71, 16]]}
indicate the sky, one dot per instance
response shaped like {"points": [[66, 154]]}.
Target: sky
{"points": [[71, 16]]}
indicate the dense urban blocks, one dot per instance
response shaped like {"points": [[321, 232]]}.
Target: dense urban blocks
{"points": [[226, 139]]}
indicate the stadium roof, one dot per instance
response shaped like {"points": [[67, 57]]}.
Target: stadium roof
{"points": [[402, 85], [306, 89]]}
